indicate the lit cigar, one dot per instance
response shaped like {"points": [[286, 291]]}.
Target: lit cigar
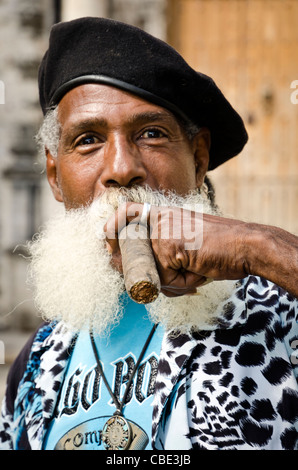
{"points": [[141, 278]]}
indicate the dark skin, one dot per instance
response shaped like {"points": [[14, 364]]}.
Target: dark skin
{"points": [[111, 138]]}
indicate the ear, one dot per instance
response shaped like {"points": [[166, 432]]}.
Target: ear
{"points": [[201, 144], [52, 175]]}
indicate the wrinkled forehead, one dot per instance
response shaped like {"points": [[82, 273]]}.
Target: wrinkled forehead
{"points": [[93, 104]]}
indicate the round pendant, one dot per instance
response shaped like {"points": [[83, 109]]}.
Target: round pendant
{"points": [[116, 434]]}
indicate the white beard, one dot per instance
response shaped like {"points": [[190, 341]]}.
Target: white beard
{"points": [[74, 281]]}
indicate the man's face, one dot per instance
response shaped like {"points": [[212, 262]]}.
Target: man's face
{"points": [[111, 138]]}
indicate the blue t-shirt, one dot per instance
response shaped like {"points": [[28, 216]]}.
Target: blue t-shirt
{"points": [[84, 403]]}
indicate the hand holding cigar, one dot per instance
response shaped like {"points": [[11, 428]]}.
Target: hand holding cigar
{"points": [[176, 276]]}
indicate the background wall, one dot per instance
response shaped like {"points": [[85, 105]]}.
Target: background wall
{"points": [[250, 49], [24, 197]]}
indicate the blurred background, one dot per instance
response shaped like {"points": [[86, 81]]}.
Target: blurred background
{"points": [[250, 49]]}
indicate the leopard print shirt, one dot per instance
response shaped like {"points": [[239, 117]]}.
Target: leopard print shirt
{"points": [[231, 387]]}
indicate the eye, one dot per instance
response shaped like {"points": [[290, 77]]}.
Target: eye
{"points": [[88, 140], [153, 134]]}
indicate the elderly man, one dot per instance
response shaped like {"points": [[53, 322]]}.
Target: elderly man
{"points": [[130, 131]]}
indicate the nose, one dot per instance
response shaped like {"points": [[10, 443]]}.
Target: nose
{"points": [[123, 164]]}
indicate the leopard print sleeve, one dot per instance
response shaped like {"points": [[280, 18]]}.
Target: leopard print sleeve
{"points": [[238, 388]]}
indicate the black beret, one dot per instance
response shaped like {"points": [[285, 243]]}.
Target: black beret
{"points": [[100, 50]]}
